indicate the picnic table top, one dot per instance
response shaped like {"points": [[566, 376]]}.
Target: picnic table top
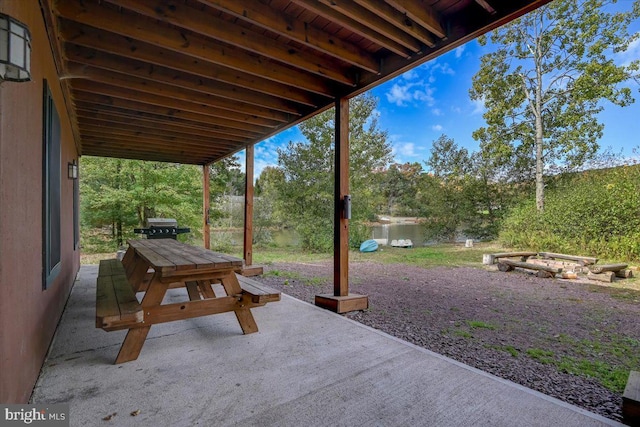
{"points": [[168, 255]]}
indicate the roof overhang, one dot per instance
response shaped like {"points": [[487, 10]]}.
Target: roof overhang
{"points": [[193, 81]]}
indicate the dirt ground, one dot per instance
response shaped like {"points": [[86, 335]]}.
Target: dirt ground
{"points": [[514, 325]]}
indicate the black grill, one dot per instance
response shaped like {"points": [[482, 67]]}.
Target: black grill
{"points": [[162, 228]]}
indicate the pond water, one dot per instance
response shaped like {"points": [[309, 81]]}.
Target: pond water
{"points": [[288, 237]]}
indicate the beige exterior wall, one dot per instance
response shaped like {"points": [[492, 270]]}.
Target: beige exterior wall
{"points": [[29, 314]]}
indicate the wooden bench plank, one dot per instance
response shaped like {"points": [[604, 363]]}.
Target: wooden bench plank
{"points": [[116, 304], [260, 294], [607, 267], [544, 270], [109, 267], [489, 259], [583, 260]]}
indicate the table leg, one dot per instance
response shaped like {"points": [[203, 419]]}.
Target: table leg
{"points": [[244, 316], [132, 344]]}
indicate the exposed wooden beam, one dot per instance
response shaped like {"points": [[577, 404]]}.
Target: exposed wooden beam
{"points": [[420, 13], [129, 25], [143, 144], [399, 20], [153, 87], [134, 108], [353, 10], [159, 130], [362, 28], [262, 15], [486, 6], [151, 156], [166, 101], [129, 136], [184, 16], [127, 48], [157, 122], [89, 63]]}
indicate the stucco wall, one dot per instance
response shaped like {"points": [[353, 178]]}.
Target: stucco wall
{"points": [[29, 314]]}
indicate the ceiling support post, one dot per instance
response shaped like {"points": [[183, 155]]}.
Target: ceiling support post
{"points": [[206, 227], [341, 301]]}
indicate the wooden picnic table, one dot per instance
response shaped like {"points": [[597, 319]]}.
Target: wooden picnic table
{"points": [[152, 267]]}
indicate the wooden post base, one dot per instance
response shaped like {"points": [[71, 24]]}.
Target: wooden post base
{"points": [[351, 302], [252, 270]]}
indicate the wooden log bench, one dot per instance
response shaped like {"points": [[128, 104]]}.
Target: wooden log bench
{"points": [[489, 259], [631, 400], [543, 271], [607, 267], [582, 260], [116, 304]]}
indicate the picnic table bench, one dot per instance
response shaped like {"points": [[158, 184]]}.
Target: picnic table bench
{"points": [[152, 267]]}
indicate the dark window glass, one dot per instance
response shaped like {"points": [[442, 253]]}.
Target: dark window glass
{"points": [[51, 189]]}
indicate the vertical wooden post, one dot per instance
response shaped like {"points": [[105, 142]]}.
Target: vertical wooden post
{"points": [[206, 229], [248, 207], [341, 301], [341, 189]]}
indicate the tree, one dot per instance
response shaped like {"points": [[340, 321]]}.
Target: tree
{"points": [[307, 191], [121, 194], [544, 85], [399, 185]]}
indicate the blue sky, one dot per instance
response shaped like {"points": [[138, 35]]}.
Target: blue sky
{"points": [[433, 99]]}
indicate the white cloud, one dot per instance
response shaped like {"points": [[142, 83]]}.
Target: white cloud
{"points": [[404, 94], [410, 75], [436, 112], [437, 128], [632, 53], [478, 106], [459, 51]]}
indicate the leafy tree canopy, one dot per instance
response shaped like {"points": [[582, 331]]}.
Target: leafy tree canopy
{"points": [[544, 84]]}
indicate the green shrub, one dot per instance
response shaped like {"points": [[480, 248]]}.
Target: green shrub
{"points": [[591, 213]]}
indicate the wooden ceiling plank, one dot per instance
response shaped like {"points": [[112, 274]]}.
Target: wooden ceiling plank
{"points": [[106, 103], [404, 50], [264, 16], [152, 154], [157, 129], [361, 14], [81, 56], [164, 101], [179, 93], [155, 89], [126, 48], [144, 120], [128, 140], [399, 20], [127, 25], [184, 16], [420, 13]]}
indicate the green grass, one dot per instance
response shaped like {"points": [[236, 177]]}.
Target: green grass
{"points": [[612, 377], [542, 356], [477, 324]]}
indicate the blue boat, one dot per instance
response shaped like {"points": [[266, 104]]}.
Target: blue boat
{"points": [[369, 246]]}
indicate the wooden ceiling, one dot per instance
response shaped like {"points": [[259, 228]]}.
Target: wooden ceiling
{"points": [[193, 81]]}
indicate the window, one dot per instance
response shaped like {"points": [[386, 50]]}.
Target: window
{"points": [[51, 172]]}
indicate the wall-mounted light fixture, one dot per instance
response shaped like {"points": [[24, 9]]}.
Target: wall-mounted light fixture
{"points": [[15, 50], [72, 170]]}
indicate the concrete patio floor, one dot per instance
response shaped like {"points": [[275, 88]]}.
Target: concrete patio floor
{"points": [[306, 367]]}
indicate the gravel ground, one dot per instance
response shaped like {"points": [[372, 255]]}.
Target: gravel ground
{"points": [[513, 325]]}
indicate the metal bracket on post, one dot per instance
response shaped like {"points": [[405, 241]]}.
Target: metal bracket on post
{"points": [[346, 202]]}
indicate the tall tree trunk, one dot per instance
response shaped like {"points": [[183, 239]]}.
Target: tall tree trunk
{"points": [[539, 130]]}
